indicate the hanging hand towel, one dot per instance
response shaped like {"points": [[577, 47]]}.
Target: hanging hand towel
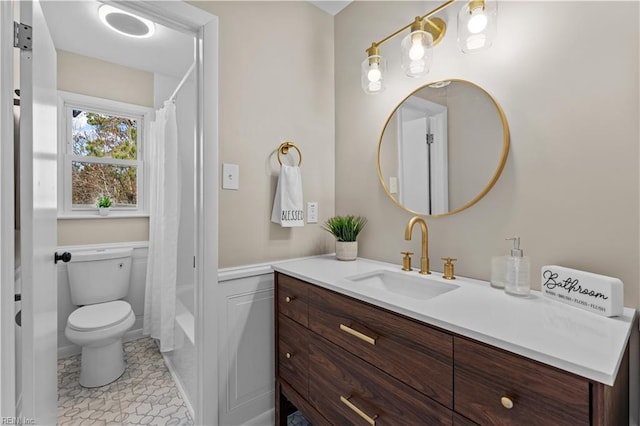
{"points": [[287, 205]]}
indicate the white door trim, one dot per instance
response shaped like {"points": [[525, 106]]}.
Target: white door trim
{"points": [[7, 233], [184, 17]]}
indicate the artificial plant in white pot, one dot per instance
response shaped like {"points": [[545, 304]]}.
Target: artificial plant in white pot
{"points": [[104, 205], [346, 230]]}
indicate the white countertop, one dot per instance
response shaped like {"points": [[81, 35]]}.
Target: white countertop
{"points": [[569, 338]]}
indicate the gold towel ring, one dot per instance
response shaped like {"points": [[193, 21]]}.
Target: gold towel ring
{"points": [[284, 150]]}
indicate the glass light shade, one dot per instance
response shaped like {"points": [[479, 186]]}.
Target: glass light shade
{"points": [[373, 74], [477, 25], [417, 53]]}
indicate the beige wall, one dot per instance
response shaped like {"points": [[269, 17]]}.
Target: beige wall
{"points": [[276, 84], [93, 77], [98, 231], [570, 188]]}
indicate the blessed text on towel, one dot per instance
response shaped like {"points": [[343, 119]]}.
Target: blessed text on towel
{"points": [[292, 215]]}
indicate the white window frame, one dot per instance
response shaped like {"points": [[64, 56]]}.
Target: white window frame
{"points": [[68, 101]]}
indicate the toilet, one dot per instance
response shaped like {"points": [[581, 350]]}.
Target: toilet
{"points": [[98, 279]]}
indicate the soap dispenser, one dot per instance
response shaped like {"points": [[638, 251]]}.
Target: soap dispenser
{"points": [[499, 271], [518, 271]]}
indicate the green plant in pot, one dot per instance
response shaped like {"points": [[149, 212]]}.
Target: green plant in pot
{"points": [[346, 229], [104, 205]]}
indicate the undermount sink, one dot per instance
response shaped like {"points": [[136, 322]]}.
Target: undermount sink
{"points": [[403, 284]]}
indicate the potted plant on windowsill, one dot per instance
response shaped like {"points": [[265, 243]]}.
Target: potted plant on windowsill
{"points": [[104, 205], [346, 230]]}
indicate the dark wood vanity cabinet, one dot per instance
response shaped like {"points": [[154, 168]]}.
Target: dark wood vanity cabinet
{"points": [[341, 361]]}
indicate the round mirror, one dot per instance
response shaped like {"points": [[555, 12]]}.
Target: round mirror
{"points": [[443, 148]]}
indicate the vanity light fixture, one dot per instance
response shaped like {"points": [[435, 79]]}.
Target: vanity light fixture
{"points": [[417, 47], [476, 25], [125, 23], [373, 71]]}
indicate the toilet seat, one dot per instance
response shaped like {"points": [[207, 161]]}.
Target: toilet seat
{"points": [[99, 316]]}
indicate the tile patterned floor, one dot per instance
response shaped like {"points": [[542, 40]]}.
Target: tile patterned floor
{"points": [[144, 395]]}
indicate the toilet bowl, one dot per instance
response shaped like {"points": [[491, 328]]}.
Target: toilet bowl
{"points": [[99, 329], [98, 279]]}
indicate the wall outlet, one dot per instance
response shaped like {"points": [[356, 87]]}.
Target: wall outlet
{"points": [[230, 176], [312, 212], [393, 185]]}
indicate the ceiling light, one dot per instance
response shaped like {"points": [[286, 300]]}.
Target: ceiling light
{"points": [[440, 84], [125, 23]]}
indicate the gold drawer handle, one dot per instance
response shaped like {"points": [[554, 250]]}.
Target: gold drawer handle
{"points": [[370, 420], [288, 355], [289, 299], [357, 334], [506, 402]]}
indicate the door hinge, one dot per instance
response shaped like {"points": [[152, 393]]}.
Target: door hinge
{"points": [[22, 34], [429, 138]]}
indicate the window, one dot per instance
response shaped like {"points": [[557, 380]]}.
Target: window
{"points": [[102, 153]]}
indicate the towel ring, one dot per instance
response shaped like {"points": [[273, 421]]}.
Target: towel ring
{"points": [[284, 150]]}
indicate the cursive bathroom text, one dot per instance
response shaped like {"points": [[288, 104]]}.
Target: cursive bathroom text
{"points": [[568, 284]]}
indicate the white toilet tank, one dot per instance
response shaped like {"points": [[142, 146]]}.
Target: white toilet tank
{"points": [[97, 276]]}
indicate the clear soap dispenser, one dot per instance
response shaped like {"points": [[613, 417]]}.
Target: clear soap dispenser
{"points": [[498, 271], [518, 271]]}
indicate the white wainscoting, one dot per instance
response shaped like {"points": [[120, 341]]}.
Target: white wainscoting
{"points": [[246, 342], [135, 297]]}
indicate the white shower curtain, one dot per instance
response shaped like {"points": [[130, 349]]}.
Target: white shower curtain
{"points": [[164, 216]]}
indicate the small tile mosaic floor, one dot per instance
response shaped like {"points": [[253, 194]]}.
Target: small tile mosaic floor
{"points": [[144, 395]]}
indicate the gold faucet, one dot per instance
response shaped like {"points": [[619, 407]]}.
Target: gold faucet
{"points": [[424, 259]]}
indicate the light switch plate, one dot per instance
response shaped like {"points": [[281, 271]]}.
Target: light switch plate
{"points": [[312, 212], [230, 176]]}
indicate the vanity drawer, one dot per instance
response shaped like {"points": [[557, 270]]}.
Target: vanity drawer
{"points": [[416, 354], [346, 390], [540, 395], [459, 420], [293, 356], [292, 298]]}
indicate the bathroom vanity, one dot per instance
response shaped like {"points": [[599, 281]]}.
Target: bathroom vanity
{"points": [[354, 348]]}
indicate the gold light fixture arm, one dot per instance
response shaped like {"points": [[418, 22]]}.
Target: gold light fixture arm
{"points": [[437, 25]]}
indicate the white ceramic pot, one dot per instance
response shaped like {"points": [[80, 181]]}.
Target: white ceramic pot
{"points": [[346, 250], [104, 211]]}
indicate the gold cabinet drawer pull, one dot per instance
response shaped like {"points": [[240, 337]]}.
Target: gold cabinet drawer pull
{"points": [[506, 402], [289, 299], [345, 401], [357, 334]]}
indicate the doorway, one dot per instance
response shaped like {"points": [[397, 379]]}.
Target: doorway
{"points": [[204, 28]]}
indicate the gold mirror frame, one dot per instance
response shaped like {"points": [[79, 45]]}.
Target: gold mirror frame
{"points": [[497, 173]]}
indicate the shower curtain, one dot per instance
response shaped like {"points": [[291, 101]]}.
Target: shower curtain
{"points": [[164, 216]]}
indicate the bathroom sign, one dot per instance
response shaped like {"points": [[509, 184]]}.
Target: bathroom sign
{"points": [[595, 293]]}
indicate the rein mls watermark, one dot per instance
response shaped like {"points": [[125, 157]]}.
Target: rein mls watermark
{"points": [[17, 421]]}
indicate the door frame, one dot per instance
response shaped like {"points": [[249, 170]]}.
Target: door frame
{"points": [[184, 17], [413, 108], [180, 16], [7, 234]]}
